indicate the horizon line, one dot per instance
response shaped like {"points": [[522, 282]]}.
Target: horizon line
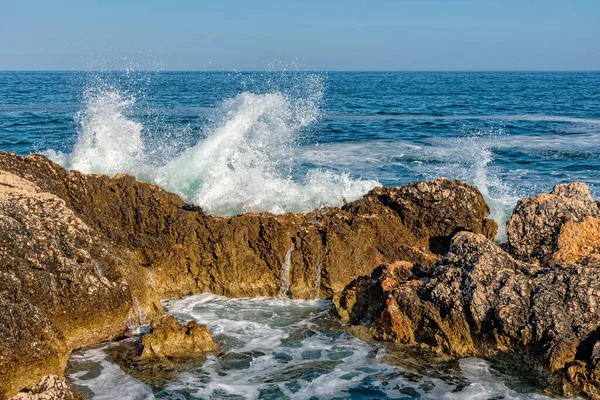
{"points": [[305, 70]]}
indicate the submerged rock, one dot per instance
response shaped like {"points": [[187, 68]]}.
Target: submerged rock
{"points": [[541, 317], [50, 387], [170, 339]]}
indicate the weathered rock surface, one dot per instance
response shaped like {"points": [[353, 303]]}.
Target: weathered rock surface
{"points": [[81, 256], [536, 224], [543, 316], [61, 284], [50, 387], [170, 339]]}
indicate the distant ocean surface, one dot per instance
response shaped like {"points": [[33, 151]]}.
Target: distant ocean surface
{"points": [[293, 141]]}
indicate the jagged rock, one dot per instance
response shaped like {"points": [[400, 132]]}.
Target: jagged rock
{"points": [[361, 300], [536, 224], [169, 339], [61, 284], [480, 301], [436, 210], [86, 254], [188, 252], [50, 387]]}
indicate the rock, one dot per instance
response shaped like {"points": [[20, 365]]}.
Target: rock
{"points": [[536, 224], [185, 251], [361, 301], [85, 256], [435, 210], [50, 387], [578, 242], [169, 339], [61, 284], [480, 301]]}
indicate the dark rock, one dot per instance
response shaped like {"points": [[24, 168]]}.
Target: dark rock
{"points": [[479, 301]]}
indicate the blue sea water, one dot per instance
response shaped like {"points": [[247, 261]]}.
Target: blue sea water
{"points": [[293, 141], [311, 138], [536, 128]]}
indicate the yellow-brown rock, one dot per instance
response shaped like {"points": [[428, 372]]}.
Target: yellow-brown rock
{"points": [[578, 242], [169, 339], [82, 257], [535, 226]]}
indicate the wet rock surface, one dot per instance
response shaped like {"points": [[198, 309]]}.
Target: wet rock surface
{"points": [[84, 256], [541, 316], [170, 339]]}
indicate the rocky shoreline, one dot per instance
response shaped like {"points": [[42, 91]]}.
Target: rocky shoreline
{"points": [[84, 258]]}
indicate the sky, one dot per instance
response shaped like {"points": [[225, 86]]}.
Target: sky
{"points": [[300, 34]]}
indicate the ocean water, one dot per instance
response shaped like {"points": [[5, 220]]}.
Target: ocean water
{"points": [[273, 348], [294, 141]]}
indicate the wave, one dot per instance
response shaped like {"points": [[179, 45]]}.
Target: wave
{"points": [[245, 163], [468, 158], [423, 117]]}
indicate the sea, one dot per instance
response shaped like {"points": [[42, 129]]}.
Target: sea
{"points": [[293, 141]]}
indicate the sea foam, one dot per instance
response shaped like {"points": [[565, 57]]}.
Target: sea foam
{"points": [[245, 162], [273, 348]]}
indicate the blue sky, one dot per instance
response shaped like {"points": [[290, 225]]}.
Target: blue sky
{"points": [[305, 34]]}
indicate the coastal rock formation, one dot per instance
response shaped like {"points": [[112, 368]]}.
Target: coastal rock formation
{"points": [[84, 256], [480, 301], [169, 339], [187, 251], [50, 387], [535, 230], [61, 284]]}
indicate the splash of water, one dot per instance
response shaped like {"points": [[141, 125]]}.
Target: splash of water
{"points": [[245, 163], [497, 193], [109, 141], [469, 158], [285, 272]]}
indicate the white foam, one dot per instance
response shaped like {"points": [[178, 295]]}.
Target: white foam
{"points": [[111, 383], [109, 141], [244, 164], [467, 158], [291, 348]]}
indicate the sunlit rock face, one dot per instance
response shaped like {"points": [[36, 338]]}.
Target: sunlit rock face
{"points": [[86, 257], [555, 227], [170, 339], [540, 315]]}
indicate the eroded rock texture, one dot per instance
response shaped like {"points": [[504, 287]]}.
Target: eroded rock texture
{"points": [[61, 286], [170, 339], [82, 256], [50, 387], [542, 316], [535, 228]]}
